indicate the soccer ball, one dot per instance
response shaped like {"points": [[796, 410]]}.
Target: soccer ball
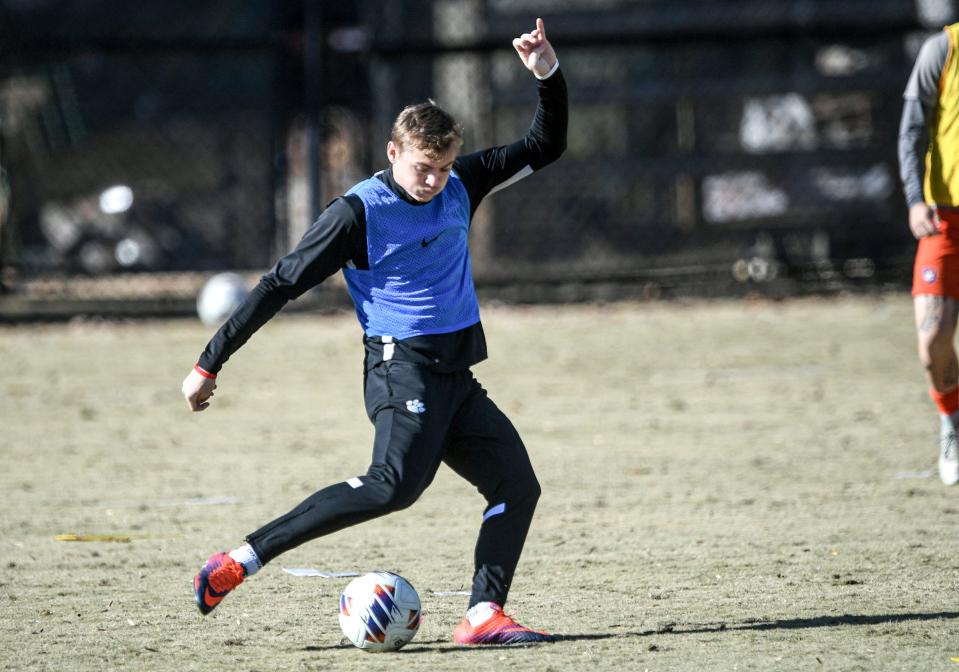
{"points": [[219, 297], [379, 611]]}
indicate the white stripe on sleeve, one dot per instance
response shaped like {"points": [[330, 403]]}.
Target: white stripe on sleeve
{"points": [[525, 172]]}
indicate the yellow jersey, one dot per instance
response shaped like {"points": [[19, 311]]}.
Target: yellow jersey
{"points": [[941, 182]]}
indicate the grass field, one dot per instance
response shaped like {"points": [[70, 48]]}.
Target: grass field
{"points": [[727, 486]]}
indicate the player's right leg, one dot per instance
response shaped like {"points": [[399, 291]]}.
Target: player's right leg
{"points": [[935, 330], [411, 409]]}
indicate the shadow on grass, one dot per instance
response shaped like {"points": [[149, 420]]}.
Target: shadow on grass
{"points": [[441, 646], [780, 624], [831, 621], [444, 646]]}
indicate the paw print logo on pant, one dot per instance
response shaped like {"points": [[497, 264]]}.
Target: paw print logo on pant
{"points": [[415, 406], [929, 274]]}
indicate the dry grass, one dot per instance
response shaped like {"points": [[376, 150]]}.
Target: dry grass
{"points": [[727, 486]]}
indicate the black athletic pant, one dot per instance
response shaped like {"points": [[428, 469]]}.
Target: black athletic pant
{"points": [[422, 418]]}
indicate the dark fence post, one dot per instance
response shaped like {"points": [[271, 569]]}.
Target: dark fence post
{"points": [[313, 81]]}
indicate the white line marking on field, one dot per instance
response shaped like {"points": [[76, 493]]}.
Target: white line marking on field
{"points": [[309, 571], [169, 503]]}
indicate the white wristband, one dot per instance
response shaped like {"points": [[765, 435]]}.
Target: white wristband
{"points": [[549, 73]]}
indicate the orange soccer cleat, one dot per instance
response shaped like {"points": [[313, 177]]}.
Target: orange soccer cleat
{"points": [[497, 628], [219, 576]]}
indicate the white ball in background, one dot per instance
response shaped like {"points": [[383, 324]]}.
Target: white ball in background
{"points": [[219, 297]]}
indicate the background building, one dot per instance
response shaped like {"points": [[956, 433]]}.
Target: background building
{"points": [[715, 146]]}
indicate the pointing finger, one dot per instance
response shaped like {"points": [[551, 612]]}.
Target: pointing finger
{"points": [[541, 27]]}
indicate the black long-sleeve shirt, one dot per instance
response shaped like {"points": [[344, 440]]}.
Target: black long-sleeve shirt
{"points": [[338, 238]]}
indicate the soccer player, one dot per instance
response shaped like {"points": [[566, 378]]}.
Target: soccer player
{"points": [[930, 116], [400, 237]]}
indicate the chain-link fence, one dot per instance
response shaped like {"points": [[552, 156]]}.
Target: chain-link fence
{"points": [[714, 145]]}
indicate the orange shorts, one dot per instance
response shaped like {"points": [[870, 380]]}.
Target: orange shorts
{"points": [[936, 270]]}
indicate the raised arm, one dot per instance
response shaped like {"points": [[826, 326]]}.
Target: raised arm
{"points": [[489, 170], [535, 51]]}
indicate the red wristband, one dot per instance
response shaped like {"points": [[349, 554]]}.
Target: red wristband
{"points": [[205, 374]]}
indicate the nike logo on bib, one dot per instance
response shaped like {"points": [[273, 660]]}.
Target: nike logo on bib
{"points": [[426, 242]]}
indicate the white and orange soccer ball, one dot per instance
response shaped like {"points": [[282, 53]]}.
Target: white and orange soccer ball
{"points": [[379, 611]]}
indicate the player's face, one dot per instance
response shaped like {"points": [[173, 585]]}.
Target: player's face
{"points": [[422, 176]]}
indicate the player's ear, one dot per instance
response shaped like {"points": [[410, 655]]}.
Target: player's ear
{"points": [[392, 151]]}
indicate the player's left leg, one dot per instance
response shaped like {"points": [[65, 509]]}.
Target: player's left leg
{"points": [[935, 290], [485, 449]]}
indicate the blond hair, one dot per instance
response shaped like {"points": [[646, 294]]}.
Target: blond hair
{"points": [[427, 127]]}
